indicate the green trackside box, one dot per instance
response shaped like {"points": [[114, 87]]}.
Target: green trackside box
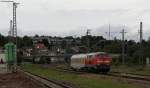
{"points": [[10, 53]]}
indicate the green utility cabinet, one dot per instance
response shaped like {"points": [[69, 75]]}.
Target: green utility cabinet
{"points": [[10, 53]]}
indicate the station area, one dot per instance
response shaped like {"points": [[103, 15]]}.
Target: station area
{"points": [[39, 67], [74, 44]]}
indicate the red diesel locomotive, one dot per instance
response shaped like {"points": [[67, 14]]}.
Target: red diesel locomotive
{"points": [[99, 61]]}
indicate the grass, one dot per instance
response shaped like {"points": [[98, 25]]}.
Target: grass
{"points": [[132, 69], [81, 81]]}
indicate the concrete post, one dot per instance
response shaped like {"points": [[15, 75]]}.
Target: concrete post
{"points": [[148, 61]]}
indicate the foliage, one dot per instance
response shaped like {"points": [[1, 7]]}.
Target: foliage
{"points": [[46, 43]]}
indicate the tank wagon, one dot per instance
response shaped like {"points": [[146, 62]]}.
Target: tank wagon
{"points": [[99, 62]]}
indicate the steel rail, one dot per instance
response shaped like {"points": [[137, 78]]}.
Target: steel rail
{"points": [[47, 82], [130, 76], [113, 74]]}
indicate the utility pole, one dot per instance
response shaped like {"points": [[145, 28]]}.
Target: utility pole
{"points": [[88, 41], [75, 36], [11, 28], [10, 32], [141, 32], [123, 46], [15, 29], [141, 39], [109, 32], [14, 19]]}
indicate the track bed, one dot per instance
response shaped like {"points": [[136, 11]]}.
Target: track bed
{"points": [[18, 80]]}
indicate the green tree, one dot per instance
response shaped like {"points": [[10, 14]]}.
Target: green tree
{"points": [[46, 43]]}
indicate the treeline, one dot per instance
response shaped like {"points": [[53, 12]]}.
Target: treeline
{"points": [[135, 53], [21, 41]]}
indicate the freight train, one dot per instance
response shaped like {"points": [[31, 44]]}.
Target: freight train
{"points": [[98, 61]]}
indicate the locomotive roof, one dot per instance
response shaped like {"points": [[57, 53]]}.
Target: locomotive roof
{"points": [[96, 53], [84, 55], [79, 55]]}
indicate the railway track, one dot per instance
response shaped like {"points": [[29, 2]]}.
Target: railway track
{"points": [[46, 82], [131, 73], [54, 84], [130, 76], [113, 74]]}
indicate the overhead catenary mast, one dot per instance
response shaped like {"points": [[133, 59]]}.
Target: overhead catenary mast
{"points": [[88, 41], [109, 32], [123, 46], [14, 22], [14, 29], [11, 29], [141, 40], [141, 32]]}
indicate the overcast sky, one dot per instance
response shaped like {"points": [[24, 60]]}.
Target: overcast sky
{"points": [[73, 17]]}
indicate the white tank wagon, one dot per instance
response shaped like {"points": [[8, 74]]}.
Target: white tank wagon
{"points": [[77, 61]]}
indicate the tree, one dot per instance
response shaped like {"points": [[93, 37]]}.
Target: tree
{"points": [[27, 41], [36, 35], [46, 43], [113, 48], [3, 40]]}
